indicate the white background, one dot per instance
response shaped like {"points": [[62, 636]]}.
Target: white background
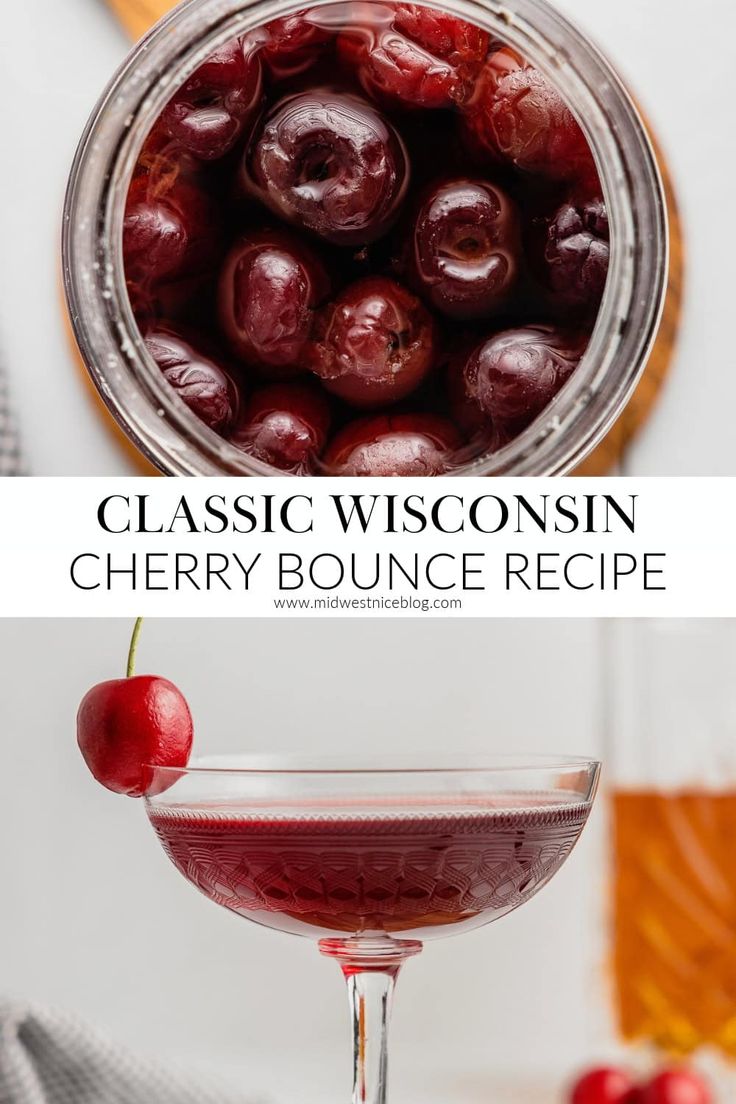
{"points": [[95, 919], [55, 59], [684, 523]]}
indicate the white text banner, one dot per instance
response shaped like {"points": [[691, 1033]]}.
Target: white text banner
{"points": [[286, 547]]}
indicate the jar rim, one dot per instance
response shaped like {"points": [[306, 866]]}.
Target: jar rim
{"points": [[157, 419]]}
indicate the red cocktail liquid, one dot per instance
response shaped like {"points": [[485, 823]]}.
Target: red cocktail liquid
{"points": [[402, 872]]}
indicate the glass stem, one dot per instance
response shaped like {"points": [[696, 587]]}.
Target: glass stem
{"points": [[370, 994], [370, 968]]}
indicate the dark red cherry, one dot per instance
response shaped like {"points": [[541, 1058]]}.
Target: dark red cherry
{"points": [[413, 55], [169, 229], [374, 344], [481, 435], [464, 410], [270, 285], [465, 248], [154, 240], [328, 161], [284, 425], [574, 252], [395, 444], [170, 226], [206, 388], [210, 112], [517, 116], [513, 375], [293, 43]]}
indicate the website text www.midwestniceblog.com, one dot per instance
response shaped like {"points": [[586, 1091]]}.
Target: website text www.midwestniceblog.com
{"points": [[421, 605]]}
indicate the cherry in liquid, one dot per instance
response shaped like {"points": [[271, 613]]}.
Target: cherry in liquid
{"points": [[292, 206]]}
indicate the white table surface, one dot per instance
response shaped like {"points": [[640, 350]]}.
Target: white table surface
{"points": [[54, 60]]}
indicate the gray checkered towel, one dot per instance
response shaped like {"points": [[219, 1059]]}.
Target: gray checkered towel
{"points": [[11, 462], [49, 1058]]}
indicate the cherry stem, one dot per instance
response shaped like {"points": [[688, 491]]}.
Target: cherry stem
{"points": [[130, 670]]}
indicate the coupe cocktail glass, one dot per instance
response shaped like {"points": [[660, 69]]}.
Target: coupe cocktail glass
{"points": [[372, 860]]}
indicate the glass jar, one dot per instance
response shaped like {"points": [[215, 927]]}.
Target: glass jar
{"points": [[157, 420], [671, 756]]}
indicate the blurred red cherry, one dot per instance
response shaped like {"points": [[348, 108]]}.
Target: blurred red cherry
{"points": [[676, 1086], [605, 1085]]}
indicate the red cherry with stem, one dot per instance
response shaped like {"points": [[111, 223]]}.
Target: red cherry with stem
{"points": [[605, 1085], [128, 727], [676, 1086]]}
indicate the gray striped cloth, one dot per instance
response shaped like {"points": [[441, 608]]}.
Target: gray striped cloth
{"points": [[11, 461], [50, 1058]]}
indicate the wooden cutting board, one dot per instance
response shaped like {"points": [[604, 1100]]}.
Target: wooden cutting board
{"points": [[137, 16]]}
